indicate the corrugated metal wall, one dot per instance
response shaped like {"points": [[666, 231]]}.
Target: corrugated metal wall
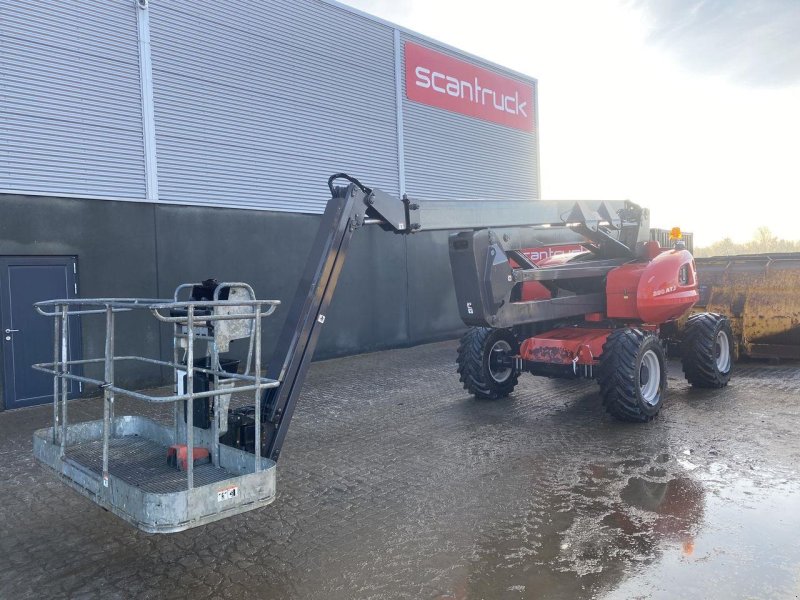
{"points": [[452, 156], [257, 103], [70, 118]]}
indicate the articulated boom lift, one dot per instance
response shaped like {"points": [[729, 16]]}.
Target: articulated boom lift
{"points": [[597, 313]]}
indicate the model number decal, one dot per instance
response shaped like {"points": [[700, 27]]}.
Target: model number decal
{"points": [[227, 493], [665, 290]]}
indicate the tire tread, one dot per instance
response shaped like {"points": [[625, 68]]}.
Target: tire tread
{"points": [[698, 351], [617, 375], [471, 369]]}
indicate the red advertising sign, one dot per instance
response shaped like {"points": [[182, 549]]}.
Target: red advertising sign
{"points": [[439, 80]]}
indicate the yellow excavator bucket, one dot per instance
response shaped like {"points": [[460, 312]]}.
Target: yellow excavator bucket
{"points": [[761, 295]]}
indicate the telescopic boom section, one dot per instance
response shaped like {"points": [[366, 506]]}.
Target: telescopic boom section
{"points": [[491, 232]]}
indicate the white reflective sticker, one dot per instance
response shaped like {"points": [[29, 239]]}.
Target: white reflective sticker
{"points": [[181, 381], [227, 493], [469, 307]]}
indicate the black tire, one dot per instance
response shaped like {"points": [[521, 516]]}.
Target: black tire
{"points": [[477, 362], [630, 358], [707, 351]]}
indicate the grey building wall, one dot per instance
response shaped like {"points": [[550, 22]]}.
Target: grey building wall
{"points": [[71, 109], [133, 137], [451, 156], [147, 249], [256, 103], [243, 104]]}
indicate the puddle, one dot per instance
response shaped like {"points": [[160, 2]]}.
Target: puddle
{"points": [[664, 531], [747, 547]]}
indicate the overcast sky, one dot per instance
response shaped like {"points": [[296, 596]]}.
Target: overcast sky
{"points": [[688, 107]]}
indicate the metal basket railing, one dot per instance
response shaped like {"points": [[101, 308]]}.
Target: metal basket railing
{"points": [[192, 321]]}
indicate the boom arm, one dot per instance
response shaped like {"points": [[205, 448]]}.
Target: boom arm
{"points": [[510, 225], [348, 209]]}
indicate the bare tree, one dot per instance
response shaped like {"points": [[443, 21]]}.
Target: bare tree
{"points": [[763, 242]]}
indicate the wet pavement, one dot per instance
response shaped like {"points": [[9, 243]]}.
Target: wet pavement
{"points": [[394, 483]]}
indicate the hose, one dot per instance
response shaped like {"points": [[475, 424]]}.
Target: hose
{"points": [[349, 178]]}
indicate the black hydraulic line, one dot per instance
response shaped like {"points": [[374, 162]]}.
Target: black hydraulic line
{"points": [[349, 178]]}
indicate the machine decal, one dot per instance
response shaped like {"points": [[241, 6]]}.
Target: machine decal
{"points": [[440, 80], [227, 493], [543, 252], [667, 290]]}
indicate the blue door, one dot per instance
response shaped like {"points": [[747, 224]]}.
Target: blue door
{"points": [[27, 335]]}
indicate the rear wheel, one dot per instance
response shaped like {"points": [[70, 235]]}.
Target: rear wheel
{"points": [[633, 375], [707, 350], [485, 362]]}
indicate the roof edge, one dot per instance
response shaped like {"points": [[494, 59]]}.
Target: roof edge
{"points": [[430, 40]]}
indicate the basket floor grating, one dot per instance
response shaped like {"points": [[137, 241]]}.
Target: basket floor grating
{"points": [[142, 463]]}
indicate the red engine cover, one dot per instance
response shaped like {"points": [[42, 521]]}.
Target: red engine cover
{"points": [[655, 291]]}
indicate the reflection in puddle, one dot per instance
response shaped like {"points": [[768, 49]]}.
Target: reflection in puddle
{"points": [[627, 531], [747, 548], [678, 504]]}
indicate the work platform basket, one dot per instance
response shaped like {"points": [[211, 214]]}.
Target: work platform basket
{"points": [[121, 462]]}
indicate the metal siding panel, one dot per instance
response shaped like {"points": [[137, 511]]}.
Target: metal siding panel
{"points": [[451, 156], [93, 91], [256, 104], [251, 99], [71, 119], [91, 28]]}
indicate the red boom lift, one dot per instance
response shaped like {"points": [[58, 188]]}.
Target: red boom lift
{"points": [[599, 313]]}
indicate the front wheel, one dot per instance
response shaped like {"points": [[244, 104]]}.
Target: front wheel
{"points": [[486, 362], [633, 375], [707, 351]]}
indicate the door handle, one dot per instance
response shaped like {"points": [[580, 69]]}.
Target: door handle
{"points": [[12, 330]]}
